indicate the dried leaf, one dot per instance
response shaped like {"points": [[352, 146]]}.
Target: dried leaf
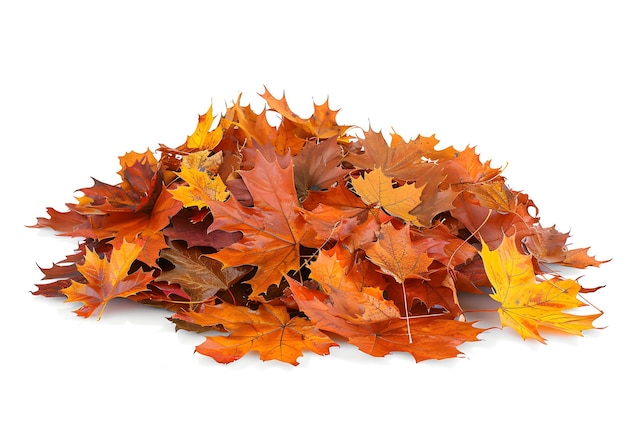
{"points": [[107, 279], [528, 304]]}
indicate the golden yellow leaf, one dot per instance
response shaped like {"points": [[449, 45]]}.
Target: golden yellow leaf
{"points": [[376, 187], [199, 171], [203, 137], [526, 303], [494, 195]]}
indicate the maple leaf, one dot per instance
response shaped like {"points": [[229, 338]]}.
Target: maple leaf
{"points": [[107, 279], [203, 183], [526, 304], [494, 195], [322, 124], [199, 276], [203, 137], [355, 292], [65, 271], [401, 160], [398, 256], [144, 225], [140, 185], [318, 166], [376, 188], [550, 246], [426, 338], [268, 330], [467, 168], [272, 230], [491, 225], [190, 226], [69, 223], [437, 294], [138, 172]]}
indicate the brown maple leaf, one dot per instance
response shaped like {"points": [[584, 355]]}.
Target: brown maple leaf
{"points": [[200, 276], [400, 160], [318, 167]]}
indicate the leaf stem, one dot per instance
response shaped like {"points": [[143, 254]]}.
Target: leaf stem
{"points": [[406, 310]]}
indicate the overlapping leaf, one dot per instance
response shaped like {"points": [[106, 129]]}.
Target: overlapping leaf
{"points": [[107, 278]]}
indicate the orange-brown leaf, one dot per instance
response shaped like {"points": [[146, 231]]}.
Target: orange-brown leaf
{"points": [[272, 230], [268, 330], [357, 295], [107, 279], [397, 255]]}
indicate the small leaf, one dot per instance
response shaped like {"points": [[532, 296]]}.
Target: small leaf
{"points": [[376, 188]]}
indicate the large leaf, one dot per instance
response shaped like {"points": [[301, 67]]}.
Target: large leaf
{"points": [[528, 304], [268, 330], [272, 230]]}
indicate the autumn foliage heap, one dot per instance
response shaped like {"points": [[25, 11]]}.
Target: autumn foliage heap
{"points": [[292, 236]]}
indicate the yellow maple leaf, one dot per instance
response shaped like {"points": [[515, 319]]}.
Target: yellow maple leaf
{"points": [[527, 303], [199, 171], [203, 137], [375, 187]]}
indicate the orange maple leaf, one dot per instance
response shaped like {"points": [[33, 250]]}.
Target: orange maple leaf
{"points": [[401, 160], [397, 255], [321, 125], [269, 330], [272, 230], [145, 225], [400, 257], [107, 279], [356, 292]]}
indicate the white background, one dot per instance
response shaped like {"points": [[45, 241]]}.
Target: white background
{"points": [[535, 85]]}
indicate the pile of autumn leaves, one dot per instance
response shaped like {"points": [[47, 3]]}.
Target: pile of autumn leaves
{"points": [[289, 237]]}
